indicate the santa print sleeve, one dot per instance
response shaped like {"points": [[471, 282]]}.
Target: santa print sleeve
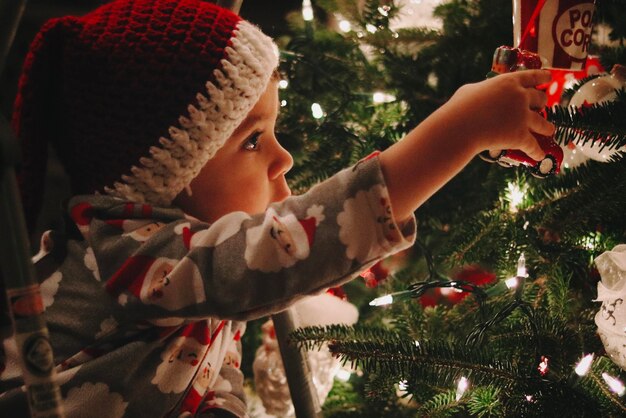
{"points": [[243, 267]]}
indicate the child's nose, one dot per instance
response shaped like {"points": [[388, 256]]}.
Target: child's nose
{"points": [[283, 161]]}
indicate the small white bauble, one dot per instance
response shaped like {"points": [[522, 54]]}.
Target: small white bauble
{"points": [[600, 90]]}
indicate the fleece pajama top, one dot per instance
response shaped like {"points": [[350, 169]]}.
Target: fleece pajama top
{"points": [[146, 306]]}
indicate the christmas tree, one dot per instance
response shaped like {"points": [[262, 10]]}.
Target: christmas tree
{"points": [[457, 341]]}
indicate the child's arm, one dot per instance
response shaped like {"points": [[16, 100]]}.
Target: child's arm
{"points": [[498, 113]]}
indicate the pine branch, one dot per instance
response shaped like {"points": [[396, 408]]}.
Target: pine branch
{"points": [[601, 123]]}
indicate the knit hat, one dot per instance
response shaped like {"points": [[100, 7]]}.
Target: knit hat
{"points": [[136, 96]]}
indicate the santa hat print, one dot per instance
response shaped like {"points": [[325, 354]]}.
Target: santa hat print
{"points": [[149, 280], [136, 96]]}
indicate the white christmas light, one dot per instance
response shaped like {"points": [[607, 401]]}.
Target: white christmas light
{"points": [[283, 103], [403, 385], [307, 10], [615, 384], [371, 28], [282, 84], [511, 283], [383, 300], [382, 97], [583, 366], [515, 195], [316, 111], [461, 387], [344, 25], [521, 266], [384, 10]]}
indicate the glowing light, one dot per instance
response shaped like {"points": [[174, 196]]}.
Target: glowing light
{"points": [[371, 28], [343, 375], [543, 366], [382, 97], [529, 398], [583, 366], [615, 384], [383, 300], [283, 103], [307, 10], [403, 385], [384, 10], [461, 387], [345, 26], [521, 266], [511, 283], [316, 111], [515, 195], [590, 242], [417, 343], [282, 84]]}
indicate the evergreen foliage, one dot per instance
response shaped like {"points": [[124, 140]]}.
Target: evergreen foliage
{"points": [[561, 225]]}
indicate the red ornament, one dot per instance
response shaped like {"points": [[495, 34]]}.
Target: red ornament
{"points": [[564, 79], [474, 274], [375, 275]]}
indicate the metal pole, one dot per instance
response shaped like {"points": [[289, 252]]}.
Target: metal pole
{"points": [[22, 289], [301, 388], [11, 12], [22, 292]]}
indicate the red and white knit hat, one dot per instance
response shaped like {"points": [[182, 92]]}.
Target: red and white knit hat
{"points": [[137, 96]]}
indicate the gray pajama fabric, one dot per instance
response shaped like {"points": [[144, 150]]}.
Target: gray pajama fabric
{"points": [[146, 306]]}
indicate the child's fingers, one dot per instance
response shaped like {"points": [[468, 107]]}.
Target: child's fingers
{"points": [[532, 149], [538, 99], [532, 78], [539, 125]]}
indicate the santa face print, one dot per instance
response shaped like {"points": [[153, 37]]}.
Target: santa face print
{"points": [[282, 237], [179, 363], [144, 232], [158, 281], [247, 173]]}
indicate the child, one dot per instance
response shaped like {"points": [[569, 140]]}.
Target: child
{"points": [[162, 113]]}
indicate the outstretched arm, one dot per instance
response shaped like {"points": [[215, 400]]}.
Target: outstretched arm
{"points": [[498, 113]]}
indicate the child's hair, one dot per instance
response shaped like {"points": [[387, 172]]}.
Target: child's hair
{"points": [[136, 96]]}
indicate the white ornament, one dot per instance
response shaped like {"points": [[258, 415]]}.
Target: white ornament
{"points": [[270, 380], [599, 90], [611, 318]]}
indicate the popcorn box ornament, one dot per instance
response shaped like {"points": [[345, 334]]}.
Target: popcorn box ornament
{"points": [[558, 30], [611, 318]]}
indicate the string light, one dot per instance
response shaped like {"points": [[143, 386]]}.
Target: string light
{"points": [[316, 111], [583, 366], [382, 97], [543, 365], [307, 10], [283, 103], [282, 84], [515, 196], [461, 387], [384, 10], [511, 282], [389, 299], [521, 266], [344, 25], [615, 384], [371, 28]]}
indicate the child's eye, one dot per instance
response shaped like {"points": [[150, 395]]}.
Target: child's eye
{"points": [[252, 143]]}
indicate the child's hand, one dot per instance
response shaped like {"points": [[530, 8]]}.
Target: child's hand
{"points": [[495, 114], [502, 112]]}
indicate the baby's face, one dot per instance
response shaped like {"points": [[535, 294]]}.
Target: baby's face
{"points": [[247, 173]]}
